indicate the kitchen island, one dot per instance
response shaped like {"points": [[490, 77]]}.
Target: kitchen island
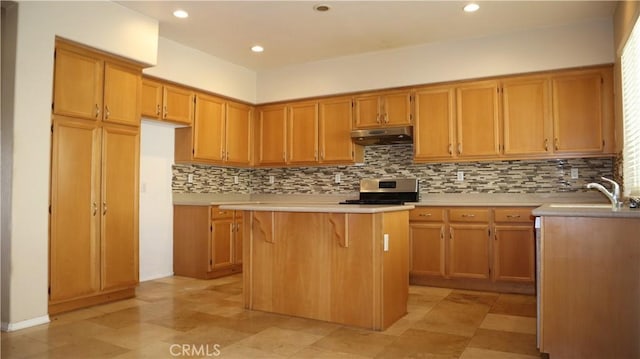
{"points": [[346, 264], [589, 281]]}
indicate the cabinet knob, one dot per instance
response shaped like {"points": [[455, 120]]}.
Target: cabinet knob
{"points": [[166, 113], [158, 109], [450, 149], [97, 111], [546, 144], [556, 143], [459, 148], [94, 206], [104, 208], [106, 112]]}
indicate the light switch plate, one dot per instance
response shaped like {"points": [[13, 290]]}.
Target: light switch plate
{"points": [[385, 244], [272, 179], [574, 173], [337, 178], [460, 176]]}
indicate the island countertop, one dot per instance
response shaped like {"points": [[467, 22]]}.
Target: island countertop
{"points": [[317, 207]]}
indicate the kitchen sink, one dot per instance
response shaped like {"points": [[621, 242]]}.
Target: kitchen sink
{"points": [[580, 205]]}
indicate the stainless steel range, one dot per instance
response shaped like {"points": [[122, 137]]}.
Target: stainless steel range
{"points": [[387, 191]]}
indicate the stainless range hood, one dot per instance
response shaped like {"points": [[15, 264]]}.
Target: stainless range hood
{"points": [[383, 136]]}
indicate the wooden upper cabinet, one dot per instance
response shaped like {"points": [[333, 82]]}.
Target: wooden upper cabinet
{"points": [[151, 102], [177, 104], [238, 134], [526, 113], [578, 111], [78, 84], [271, 135], [92, 86], [335, 124], [302, 133], [478, 119], [122, 94], [396, 108], [434, 129], [208, 128], [383, 109]]}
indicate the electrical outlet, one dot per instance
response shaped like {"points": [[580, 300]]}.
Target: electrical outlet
{"points": [[190, 178], [574, 173], [460, 176], [272, 179], [337, 178], [235, 180]]}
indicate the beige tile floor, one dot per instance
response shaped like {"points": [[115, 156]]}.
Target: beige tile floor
{"points": [[179, 317]]}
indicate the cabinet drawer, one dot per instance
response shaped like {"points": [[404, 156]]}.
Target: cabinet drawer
{"points": [[427, 214], [469, 215], [217, 213], [519, 215]]}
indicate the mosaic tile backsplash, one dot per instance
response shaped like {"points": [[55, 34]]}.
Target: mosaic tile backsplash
{"points": [[531, 176]]}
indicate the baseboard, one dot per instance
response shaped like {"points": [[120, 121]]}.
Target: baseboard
{"points": [[12, 327], [156, 276]]}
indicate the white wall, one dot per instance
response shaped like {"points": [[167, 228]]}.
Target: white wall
{"points": [[156, 207], [192, 67], [535, 50], [104, 25]]}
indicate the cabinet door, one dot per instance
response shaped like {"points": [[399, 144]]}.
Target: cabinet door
{"points": [[396, 109], [74, 249], [477, 114], [427, 249], [526, 104], [435, 123], [577, 112], [177, 105], [238, 136], [208, 128], [336, 118], [122, 88], [303, 133], [78, 82], [119, 207], [513, 253], [151, 103], [221, 243], [469, 251], [367, 111], [271, 133]]}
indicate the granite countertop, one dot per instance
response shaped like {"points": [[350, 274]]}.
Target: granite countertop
{"points": [[317, 207], [556, 210], [329, 202]]}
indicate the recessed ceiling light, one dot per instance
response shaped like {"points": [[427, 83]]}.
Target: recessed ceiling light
{"points": [[257, 48], [321, 8], [181, 14], [471, 7]]}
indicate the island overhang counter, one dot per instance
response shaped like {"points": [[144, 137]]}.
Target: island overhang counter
{"points": [[346, 264]]}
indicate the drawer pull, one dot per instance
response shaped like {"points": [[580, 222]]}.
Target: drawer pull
{"points": [[424, 215], [468, 215], [513, 216]]}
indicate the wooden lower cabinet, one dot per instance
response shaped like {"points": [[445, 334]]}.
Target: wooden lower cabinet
{"points": [[478, 248], [205, 242], [94, 213]]}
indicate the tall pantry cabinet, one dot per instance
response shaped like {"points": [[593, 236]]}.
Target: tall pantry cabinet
{"points": [[93, 246]]}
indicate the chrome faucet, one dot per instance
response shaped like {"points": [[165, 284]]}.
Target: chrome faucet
{"points": [[613, 196]]}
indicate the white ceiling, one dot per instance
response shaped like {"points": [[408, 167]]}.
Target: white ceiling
{"points": [[292, 32]]}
